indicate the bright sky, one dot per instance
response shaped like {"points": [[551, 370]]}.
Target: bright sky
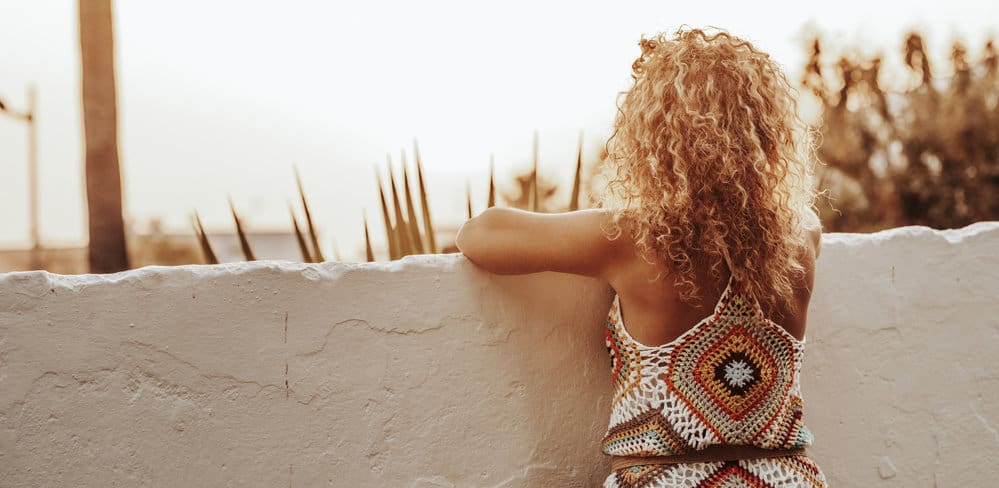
{"points": [[221, 97]]}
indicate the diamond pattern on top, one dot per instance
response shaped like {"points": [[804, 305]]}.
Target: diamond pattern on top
{"points": [[696, 374], [731, 379]]}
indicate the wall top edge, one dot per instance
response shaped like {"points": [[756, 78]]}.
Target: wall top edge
{"points": [[921, 232], [433, 262]]}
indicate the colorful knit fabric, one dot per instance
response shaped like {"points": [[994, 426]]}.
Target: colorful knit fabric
{"points": [[733, 378]]}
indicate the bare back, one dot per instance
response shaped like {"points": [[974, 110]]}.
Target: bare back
{"points": [[655, 315]]}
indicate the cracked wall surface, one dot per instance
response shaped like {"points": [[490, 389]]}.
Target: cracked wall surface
{"points": [[428, 372]]}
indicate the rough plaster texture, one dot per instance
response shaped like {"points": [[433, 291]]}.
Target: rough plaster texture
{"points": [[428, 372]]}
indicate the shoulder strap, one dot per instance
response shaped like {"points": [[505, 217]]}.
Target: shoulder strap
{"points": [[728, 261], [730, 287], [753, 301]]}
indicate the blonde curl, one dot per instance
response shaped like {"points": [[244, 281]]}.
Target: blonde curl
{"points": [[709, 161]]}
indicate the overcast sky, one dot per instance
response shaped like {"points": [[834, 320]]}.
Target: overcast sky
{"points": [[221, 97]]}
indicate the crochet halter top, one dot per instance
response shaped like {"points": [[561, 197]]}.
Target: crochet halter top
{"points": [[733, 378]]}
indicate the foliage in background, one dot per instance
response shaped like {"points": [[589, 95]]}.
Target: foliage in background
{"points": [[927, 155], [403, 234]]}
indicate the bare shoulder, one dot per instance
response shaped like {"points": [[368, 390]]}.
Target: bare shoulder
{"points": [[617, 229]]}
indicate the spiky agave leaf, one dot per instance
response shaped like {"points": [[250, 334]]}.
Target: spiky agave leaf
{"points": [[302, 246], [369, 253], [533, 203], [336, 250], [414, 227], [468, 194], [427, 222], [393, 246], [401, 227], [206, 247], [243, 242], [317, 252], [574, 199], [492, 185]]}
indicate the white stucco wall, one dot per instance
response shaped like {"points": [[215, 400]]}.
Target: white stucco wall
{"points": [[428, 372]]}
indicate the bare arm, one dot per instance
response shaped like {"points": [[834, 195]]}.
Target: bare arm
{"points": [[512, 241]]}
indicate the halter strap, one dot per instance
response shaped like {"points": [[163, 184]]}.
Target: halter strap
{"points": [[728, 261]]}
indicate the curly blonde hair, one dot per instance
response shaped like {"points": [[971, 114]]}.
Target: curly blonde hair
{"points": [[710, 161]]}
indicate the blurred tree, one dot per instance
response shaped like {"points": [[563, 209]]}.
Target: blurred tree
{"points": [[926, 156], [107, 252]]}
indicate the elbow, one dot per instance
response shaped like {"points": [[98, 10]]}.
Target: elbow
{"points": [[471, 239], [463, 236], [465, 239]]}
